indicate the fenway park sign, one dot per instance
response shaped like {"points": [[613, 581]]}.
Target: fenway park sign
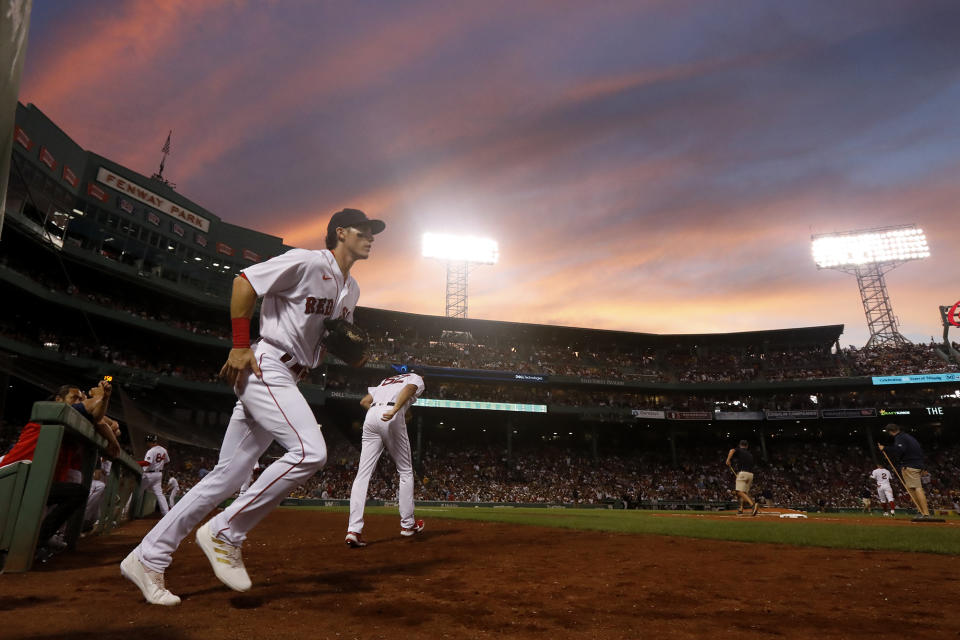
{"points": [[135, 191]]}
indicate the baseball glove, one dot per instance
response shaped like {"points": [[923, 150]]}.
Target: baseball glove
{"points": [[346, 341]]}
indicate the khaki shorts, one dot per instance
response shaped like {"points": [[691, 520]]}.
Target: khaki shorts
{"points": [[745, 481], [911, 478]]}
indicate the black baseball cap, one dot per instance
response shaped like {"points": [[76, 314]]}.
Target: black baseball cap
{"points": [[352, 218]]}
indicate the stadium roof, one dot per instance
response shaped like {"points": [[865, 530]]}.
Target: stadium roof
{"points": [[433, 326]]}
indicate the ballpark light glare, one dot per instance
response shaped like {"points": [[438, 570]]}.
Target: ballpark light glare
{"points": [[460, 248], [860, 248]]}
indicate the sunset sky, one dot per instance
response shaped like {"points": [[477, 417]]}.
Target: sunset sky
{"points": [[647, 166]]}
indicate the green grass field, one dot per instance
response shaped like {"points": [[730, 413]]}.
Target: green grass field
{"points": [[820, 530]]}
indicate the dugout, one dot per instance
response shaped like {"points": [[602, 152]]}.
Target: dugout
{"points": [[25, 485]]}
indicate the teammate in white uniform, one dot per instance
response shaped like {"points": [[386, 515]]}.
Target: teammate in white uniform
{"points": [[152, 479], [173, 490], [300, 289], [882, 477], [385, 425]]}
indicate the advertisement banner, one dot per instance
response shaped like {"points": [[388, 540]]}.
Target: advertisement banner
{"points": [[648, 414], [916, 412], [22, 138], [97, 192], [177, 229], [738, 415], [849, 413], [126, 205], [47, 158], [689, 415], [200, 239], [250, 255], [801, 414], [153, 218], [70, 177], [607, 381], [918, 378], [529, 377], [885, 413], [482, 406], [225, 249]]}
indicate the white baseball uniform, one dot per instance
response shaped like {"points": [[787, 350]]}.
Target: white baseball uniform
{"points": [[882, 477], [392, 433], [152, 480], [300, 288], [94, 502], [173, 490], [95, 497]]}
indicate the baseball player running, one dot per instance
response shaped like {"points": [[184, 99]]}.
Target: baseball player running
{"points": [[300, 289], [743, 459], [882, 477], [153, 463], [385, 425]]}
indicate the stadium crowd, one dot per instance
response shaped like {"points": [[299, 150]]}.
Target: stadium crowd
{"points": [[139, 306], [808, 475], [674, 364]]}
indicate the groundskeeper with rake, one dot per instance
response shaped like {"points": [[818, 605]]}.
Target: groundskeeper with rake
{"points": [[743, 459], [909, 459]]}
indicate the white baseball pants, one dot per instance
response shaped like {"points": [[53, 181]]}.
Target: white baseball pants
{"points": [[885, 493], [269, 408], [94, 501], [152, 481], [376, 435], [172, 498]]}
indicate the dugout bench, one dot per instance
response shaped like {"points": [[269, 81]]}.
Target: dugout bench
{"points": [[25, 486]]}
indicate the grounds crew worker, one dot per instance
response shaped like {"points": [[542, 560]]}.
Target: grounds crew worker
{"points": [[743, 459]]}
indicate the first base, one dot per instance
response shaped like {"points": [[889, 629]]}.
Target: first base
{"points": [[793, 515]]}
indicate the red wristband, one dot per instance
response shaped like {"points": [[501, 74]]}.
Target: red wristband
{"points": [[241, 333]]}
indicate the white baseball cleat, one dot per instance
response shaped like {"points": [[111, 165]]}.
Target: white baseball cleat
{"points": [[150, 582], [414, 530], [225, 559], [355, 540]]}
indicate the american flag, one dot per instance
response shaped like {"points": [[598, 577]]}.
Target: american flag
{"points": [[166, 145]]}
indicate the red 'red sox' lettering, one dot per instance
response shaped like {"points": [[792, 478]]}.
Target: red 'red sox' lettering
{"points": [[322, 306]]}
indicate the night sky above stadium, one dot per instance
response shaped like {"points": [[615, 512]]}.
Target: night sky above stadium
{"points": [[647, 166]]}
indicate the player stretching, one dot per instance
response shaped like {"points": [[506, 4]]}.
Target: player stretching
{"points": [[300, 290], [882, 477], [744, 470], [385, 425]]}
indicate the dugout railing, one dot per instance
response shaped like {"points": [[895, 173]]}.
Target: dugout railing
{"points": [[25, 486]]}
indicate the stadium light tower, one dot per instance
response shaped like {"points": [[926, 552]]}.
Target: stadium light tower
{"points": [[461, 254], [868, 254]]}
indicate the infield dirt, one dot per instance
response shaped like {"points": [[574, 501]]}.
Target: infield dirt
{"points": [[464, 579]]}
